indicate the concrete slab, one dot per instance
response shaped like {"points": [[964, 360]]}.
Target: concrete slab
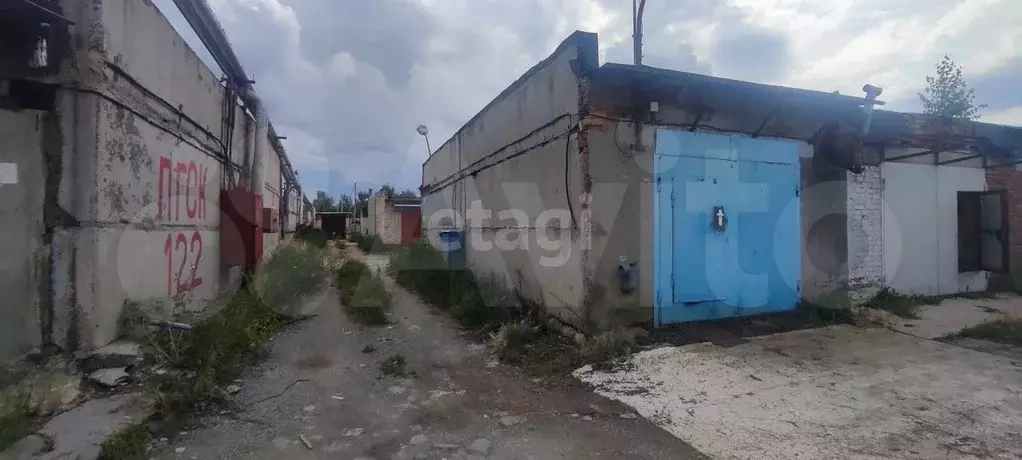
{"points": [[952, 315], [836, 392], [79, 432]]}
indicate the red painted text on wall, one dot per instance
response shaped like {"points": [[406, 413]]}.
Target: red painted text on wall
{"points": [[175, 176], [182, 276]]}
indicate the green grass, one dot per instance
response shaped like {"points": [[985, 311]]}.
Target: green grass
{"points": [[545, 352], [899, 304], [363, 294], [394, 366], [197, 363], [370, 243], [131, 443], [605, 348], [1006, 331], [837, 314], [484, 304], [17, 422], [314, 236], [293, 272], [475, 302]]}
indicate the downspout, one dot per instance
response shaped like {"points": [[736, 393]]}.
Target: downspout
{"points": [[246, 161], [262, 126]]}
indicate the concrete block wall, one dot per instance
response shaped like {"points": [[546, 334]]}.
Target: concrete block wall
{"points": [[118, 197], [512, 191], [865, 234]]}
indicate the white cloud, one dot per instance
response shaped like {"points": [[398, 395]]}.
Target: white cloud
{"points": [[348, 81], [1012, 116]]}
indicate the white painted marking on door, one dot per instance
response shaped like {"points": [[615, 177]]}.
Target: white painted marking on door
{"points": [[8, 173]]}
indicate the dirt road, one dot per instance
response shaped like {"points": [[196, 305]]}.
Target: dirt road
{"points": [[456, 404]]}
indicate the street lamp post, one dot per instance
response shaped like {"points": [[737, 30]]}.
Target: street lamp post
{"points": [[424, 131]]}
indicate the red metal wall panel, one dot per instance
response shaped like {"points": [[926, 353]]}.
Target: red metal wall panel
{"points": [[411, 226]]}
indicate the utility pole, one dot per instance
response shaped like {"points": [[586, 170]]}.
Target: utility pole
{"points": [[638, 6]]}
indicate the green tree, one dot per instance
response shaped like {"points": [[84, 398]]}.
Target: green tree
{"points": [[947, 93], [345, 203], [388, 190], [323, 202], [407, 193]]}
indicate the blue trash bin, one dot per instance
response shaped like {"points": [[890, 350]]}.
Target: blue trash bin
{"points": [[452, 245]]}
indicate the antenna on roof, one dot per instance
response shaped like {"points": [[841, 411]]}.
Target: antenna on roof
{"points": [[638, 6]]}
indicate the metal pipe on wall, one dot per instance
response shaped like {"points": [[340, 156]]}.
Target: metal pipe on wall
{"points": [[262, 125]]}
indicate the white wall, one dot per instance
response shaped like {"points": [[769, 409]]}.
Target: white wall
{"points": [[921, 228]]}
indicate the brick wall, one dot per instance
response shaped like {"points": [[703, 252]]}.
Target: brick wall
{"points": [[1010, 180], [865, 234], [384, 221]]}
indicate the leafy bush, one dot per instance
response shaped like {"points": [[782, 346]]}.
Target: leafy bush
{"points": [[293, 271], [370, 243], [314, 236], [214, 353], [474, 302], [363, 294], [197, 363]]}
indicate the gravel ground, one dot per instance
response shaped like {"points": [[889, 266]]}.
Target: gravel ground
{"points": [[457, 403]]}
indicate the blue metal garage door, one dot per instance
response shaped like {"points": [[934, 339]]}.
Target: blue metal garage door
{"points": [[727, 226]]}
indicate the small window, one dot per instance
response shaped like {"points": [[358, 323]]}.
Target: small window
{"points": [[982, 232]]}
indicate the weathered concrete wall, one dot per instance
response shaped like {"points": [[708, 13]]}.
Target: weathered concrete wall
{"points": [[512, 203], [384, 221], [25, 258], [921, 227], [136, 167]]}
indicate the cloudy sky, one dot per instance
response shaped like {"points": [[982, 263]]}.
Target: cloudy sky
{"points": [[347, 81]]}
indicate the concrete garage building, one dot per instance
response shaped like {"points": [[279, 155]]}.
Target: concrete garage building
{"points": [[618, 194], [395, 219], [119, 146]]}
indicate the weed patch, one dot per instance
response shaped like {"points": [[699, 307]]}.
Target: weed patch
{"points": [[605, 348], [196, 364], [294, 271], [475, 302], [363, 294], [903, 305], [483, 303], [1006, 331], [816, 313], [312, 235], [131, 443], [17, 422], [193, 366], [370, 243], [394, 366]]}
